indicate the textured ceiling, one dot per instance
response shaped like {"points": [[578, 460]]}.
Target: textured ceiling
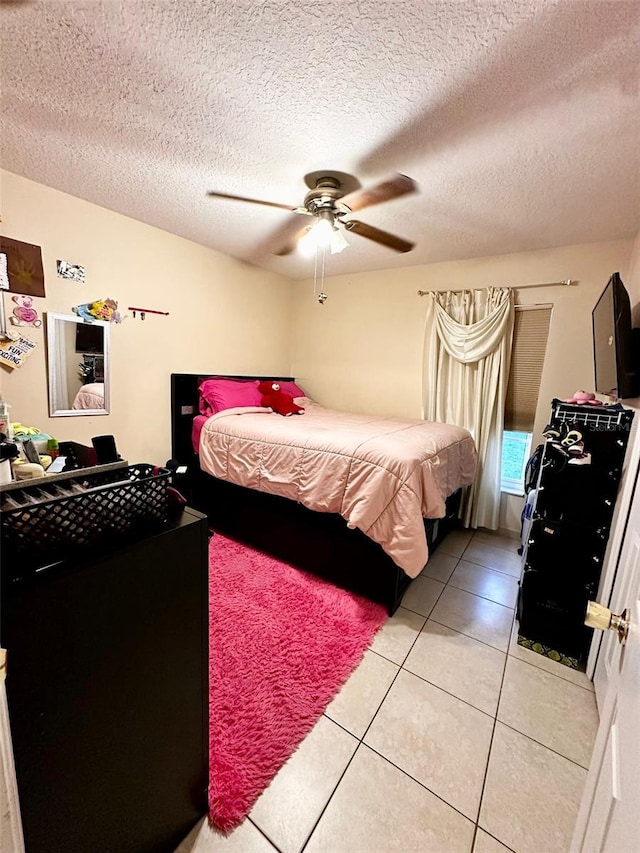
{"points": [[519, 120]]}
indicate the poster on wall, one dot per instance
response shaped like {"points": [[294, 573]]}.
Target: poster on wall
{"points": [[74, 272], [24, 266], [13, 353]]}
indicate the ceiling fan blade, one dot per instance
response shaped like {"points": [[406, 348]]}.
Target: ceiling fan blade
{"points": [[378, 236], [283, 240], [289, 242], [213, 194], [387, 190]]}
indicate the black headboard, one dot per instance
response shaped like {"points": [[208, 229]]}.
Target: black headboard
{"points": [[184, 407]]}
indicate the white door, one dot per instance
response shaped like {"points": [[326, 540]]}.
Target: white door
{"points": [[609, 817]]}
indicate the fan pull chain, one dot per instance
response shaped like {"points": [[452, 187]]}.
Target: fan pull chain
{"points": [[322, 296], [315, 273]]}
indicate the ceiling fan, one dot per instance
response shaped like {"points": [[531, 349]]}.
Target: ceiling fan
{"points": [[332, 198]]}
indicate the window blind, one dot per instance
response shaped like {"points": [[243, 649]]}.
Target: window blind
{"points": [[530, 333]]}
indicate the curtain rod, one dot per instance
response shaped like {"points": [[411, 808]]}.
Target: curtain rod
{"points": [[567, 283]]}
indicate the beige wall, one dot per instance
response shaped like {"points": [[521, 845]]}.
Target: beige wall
{"points": [[362, 349], [218, 308]]}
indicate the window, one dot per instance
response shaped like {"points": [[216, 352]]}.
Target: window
{"points": [[516, 449], [530, 333]]}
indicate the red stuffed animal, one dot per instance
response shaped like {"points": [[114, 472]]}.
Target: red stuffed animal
{"points": [[278, 400]]}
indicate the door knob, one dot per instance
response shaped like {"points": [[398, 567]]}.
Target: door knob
{"points": [[604, 620]]}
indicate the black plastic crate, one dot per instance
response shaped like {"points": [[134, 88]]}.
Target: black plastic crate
{"points": [[48, 520]]}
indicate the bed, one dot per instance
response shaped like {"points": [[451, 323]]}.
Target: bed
{"points": [[90, 396], [356, 498]]}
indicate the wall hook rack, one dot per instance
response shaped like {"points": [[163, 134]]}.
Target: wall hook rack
{"points": [[144, 311]]}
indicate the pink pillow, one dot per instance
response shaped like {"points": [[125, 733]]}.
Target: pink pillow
{"points": [[219, 394], [292, 389]]}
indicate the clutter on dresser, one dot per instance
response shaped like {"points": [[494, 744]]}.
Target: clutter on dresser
{"points": [[8, 452], [5, 424], [34, 457], [8, 448], [37, 454], [570, 515]]}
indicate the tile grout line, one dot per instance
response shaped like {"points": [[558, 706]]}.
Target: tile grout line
{"points": [[507, 656], [417, 781], [486, 597], [493, 731], [453, 695], [484, 643], [491, 568], [400, 668], [477, 595], [465, 701], [364, 734], [543, 745], [548, 672], [462, 589], [348, 764], [469, 704], [506, 847], [264, 834], [495, 717]]}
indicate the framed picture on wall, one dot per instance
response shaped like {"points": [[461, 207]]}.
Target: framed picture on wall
{"points": [[24, 266]]}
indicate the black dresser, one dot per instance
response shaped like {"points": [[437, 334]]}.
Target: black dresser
{"points": [[576, 492], [107, 688]]}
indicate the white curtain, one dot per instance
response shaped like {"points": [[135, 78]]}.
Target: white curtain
{"points": [[466, 368]]}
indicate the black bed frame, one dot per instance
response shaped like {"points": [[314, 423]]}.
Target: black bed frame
{"points": [[320, 543]]}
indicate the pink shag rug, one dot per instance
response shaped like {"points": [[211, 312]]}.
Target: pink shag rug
{"points": [[282, 643]]}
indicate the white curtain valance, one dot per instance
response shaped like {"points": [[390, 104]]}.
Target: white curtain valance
{"points": [[471, 342]]}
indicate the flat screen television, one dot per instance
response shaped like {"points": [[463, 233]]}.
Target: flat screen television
{"points": [[89, 338], [615, 343]]}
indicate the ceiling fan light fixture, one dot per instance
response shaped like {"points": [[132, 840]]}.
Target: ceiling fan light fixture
{"points": [[319, 236], [323, 233], [338, 242], [307, 243]]}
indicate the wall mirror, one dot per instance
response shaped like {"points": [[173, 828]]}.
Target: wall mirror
{"points": [[78, 360]]}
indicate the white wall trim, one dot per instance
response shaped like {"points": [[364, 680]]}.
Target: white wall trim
{"points": [[11, 838]]}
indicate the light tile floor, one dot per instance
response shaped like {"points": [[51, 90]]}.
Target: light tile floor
{"points": [[448, 738]]}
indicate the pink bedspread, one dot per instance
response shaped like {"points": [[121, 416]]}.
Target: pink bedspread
{"points": [[90, 396], [382, 475]]}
